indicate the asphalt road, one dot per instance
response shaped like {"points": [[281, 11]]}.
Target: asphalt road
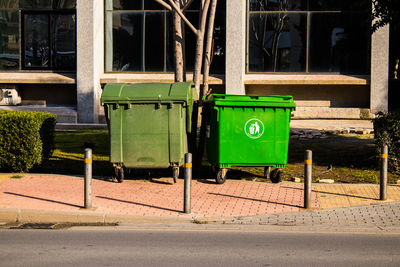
{"points": [[194, 248]]}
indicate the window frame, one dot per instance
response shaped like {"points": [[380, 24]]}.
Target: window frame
{"points": [[110, 10], [308, 32], [49, 13], [21, 40]]}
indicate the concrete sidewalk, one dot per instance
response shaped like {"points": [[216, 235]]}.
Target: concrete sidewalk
{"points": [[332, 125], [59, 198]]}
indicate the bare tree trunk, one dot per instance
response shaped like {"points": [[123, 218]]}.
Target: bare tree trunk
{"points": [[206, 72], [200, 46], [178, 45], [209, 42]]}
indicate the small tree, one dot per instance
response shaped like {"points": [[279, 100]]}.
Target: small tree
{"points": [[386, 12], [206, 15]]}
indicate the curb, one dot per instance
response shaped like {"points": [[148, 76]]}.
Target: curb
{"points": [[45, 216]]}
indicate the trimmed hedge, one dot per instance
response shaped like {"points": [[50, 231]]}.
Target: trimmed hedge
{"points": [[387, 131], [26, 139]]}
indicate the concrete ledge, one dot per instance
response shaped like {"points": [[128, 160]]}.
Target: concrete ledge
{"points": [[330, 113], [332, 124], [151, 78], [306, 79], [37, 77]]}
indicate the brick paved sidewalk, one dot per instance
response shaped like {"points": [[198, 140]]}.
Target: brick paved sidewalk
{"points": [[157, 198]]}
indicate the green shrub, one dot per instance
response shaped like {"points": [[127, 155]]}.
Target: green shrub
{"points": [[26, 139], [387, 131]]}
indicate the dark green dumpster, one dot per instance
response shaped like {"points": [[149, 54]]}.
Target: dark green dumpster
{"points": [[148, 125], [248, 131]]}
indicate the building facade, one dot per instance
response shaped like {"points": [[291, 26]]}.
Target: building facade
{"points": [[58, 54]]}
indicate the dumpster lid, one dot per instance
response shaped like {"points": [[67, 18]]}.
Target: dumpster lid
{"points": [[154, 92], [252, 100]]}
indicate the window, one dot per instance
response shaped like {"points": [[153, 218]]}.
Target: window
{"points": [[38, 34], [302, 36], [139, 37]]}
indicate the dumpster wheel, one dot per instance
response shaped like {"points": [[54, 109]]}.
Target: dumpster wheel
{"points": [[175, 173], [276, 175], [221, 175], [119, 172]]}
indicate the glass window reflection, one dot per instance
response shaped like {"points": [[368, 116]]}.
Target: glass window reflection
{"points": [[277, 5], [134, 48], [63, 40], [36, 36], [277, 42], [55, 4], [9, 40], [8, 3], [140, 39], [338, 43], [135, 5]]}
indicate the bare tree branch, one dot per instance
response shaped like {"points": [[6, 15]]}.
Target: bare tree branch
{"points": [[209, 41], [161, 2], [188, 3], [178, 10], [200, 47]]}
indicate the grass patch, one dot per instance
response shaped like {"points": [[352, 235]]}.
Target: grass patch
{"points": [[352, 158], [16, 176], [68, 154]]}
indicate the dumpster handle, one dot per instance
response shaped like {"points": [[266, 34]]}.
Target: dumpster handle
{"points": [[217, 111]]}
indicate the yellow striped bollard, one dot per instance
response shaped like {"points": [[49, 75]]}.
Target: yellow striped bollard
{"points": [[384, 167], [307, 178], [187, 206], [88, 178]]}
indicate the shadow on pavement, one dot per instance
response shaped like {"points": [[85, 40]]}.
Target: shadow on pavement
{"points": [[252, 199], [344, 195], [43, 199], [136, 203]]}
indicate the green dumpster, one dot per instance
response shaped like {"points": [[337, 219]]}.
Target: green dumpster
{"points": [[248, 131], [148, 125]]}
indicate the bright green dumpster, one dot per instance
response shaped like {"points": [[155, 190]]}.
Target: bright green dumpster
{"points": [[248, 131], [148, 125]]}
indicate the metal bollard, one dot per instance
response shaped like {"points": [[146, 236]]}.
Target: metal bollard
{"points": [[187, 206], [307, 178], [384, 167], [88, 178]]}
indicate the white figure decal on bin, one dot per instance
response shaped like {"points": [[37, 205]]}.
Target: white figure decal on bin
{"points": [[254, 128]]}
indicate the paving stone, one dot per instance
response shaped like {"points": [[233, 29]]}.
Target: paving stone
{"points": [[326, 181]]}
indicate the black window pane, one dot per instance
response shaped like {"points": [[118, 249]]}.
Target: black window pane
{"points": [[9, 40], [154, 41], [136, 5], [8, 3], [35, 3], [195, 5], [339, 43], [277, 42], [63, 39], [170, 59], [219, 42], [55, 4], [127, 39], [61, 4], [190, 40], [277, 5], [330, 5], [36, 48], [152, 5]]}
